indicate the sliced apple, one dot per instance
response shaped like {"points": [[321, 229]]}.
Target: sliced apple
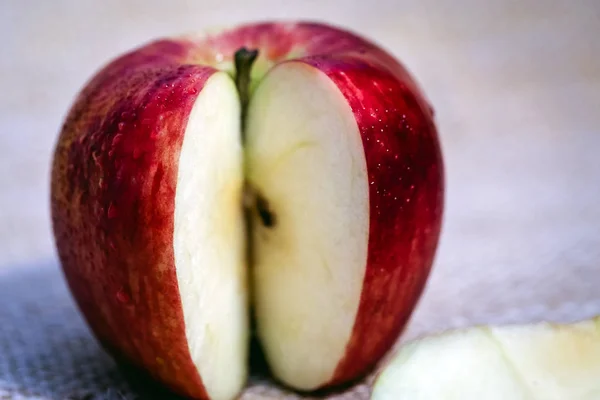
{"points": [[209, 239], [325, 142], [530, 362], [307, 168]]}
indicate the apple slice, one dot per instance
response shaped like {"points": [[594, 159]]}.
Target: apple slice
{"points": [[307, 168], [530, 362], [147, 186], [343, 160]]}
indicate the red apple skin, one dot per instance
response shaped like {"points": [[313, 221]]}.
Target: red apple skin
{"points": [[113, 190]]}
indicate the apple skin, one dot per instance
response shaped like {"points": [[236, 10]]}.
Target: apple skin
{"points": [[113, 189]]}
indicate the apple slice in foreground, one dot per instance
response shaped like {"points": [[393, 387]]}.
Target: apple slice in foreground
{"points": [[529, 362]]}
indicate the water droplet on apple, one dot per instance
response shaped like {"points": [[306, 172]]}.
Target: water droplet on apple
{"points": [[121, 125], [117, 139], [112, 211], [122, 296]]}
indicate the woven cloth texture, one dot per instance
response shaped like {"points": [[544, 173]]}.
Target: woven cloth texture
{"points": [[516, 88]]}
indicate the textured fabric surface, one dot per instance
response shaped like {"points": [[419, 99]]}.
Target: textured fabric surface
{"points": [[516, 87]]}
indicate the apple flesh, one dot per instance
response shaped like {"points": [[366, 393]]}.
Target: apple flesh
{"points": [[539, 361], [332, 148]]}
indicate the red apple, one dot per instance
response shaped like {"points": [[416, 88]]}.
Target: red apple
{"points": [[340, 169]]}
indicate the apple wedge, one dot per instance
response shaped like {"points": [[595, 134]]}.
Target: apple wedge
{"points": [[307, 166], [530, 362], [133, 204], [290, 171]]}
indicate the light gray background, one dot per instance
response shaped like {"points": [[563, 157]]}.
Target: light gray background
{"points": [[516, 88]]}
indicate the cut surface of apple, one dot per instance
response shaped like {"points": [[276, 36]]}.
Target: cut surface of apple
{"points": [[209, 239], [528, 362], [306, 163]]}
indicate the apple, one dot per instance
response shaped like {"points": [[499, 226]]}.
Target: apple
{"points": [[533, 361], [289, 171]]}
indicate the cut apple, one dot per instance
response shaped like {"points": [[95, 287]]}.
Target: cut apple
{"points": [[189, 187], [209, 245], [529, 362], [307, 167]]}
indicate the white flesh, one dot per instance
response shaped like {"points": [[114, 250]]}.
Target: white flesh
{"points": [[209, 239], [530, 362], [305, 157]]}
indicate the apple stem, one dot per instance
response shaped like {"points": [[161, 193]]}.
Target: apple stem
{"points": [[244, 59]]}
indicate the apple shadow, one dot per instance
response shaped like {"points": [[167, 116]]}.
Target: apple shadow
{"points": [[46, 348]]}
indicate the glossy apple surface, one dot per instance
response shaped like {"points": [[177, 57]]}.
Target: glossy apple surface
{"points": [[340, 162]]}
